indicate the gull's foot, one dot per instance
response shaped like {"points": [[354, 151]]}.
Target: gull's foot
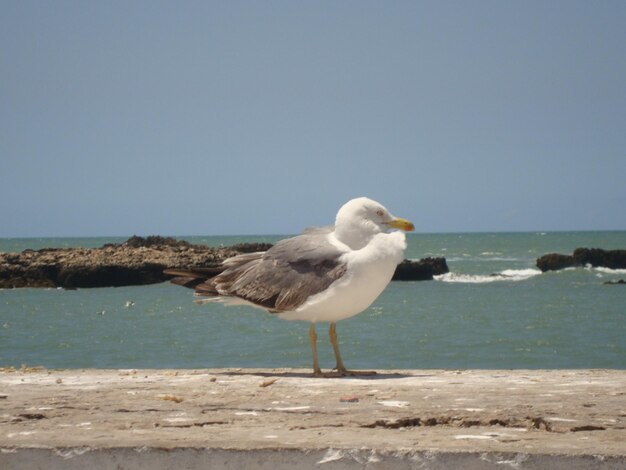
{"points": [[327, 375], [358, 373], [343, 372]]}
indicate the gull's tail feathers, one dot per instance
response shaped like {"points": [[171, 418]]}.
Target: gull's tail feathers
{"points": [[193, 277]]}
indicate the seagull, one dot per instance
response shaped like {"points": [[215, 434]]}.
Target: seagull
{"points": [[322, 275]]}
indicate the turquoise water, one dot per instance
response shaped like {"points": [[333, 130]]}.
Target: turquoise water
{"points": [[494, 310]]}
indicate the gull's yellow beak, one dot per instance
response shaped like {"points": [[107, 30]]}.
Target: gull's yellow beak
{"points": [[401, 224]]}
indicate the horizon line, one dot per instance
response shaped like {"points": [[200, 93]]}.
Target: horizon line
{"points": [[416, 233]]}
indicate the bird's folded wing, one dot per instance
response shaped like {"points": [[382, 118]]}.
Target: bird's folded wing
{"points": [[282, 278]]}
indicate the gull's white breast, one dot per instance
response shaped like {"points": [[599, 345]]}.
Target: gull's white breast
{"points": [[369, 270]]}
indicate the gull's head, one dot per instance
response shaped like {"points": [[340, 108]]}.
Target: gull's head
{"points": [[360, 219]]}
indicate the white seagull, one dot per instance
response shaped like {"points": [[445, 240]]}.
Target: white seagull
{"points": [[322, 275]]}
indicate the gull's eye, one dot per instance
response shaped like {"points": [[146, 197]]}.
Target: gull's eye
{"points": [[380, 213]]}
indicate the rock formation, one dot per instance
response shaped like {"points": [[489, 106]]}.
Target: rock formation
{"points": [[140, 261], [612, 259], [555, 262], [137, 261], [422, 270]]}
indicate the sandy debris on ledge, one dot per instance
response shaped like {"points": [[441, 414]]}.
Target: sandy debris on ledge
{"points": [[575, 414]]}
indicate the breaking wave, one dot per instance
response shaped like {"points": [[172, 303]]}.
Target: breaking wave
{"points": [[506, 275], [481, 258], [608, 270]]}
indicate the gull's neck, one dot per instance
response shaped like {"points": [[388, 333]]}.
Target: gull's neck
{"points": [[356, 236]]}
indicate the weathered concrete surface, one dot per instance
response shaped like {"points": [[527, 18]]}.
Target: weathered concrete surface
{"points": [[275, 419]]}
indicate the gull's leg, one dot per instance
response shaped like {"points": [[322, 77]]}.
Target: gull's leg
{"points": [[313, 338], [332, 333], [341, 369]]}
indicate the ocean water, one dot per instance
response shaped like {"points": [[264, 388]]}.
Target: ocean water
{"points": [[493, 310]]}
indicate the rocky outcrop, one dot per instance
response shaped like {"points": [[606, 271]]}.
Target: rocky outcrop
{"points": [[137, 261], [140, 261], [422, 270], [555, 262], [612, 259]]}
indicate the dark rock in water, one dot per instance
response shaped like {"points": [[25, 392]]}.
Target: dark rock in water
{"points": [[137, 261], [555, 261], [612, 259], [422, 270], [615, 283], [251, 247], [153, 241], [109, 276], [407, 270], [143, 260]]}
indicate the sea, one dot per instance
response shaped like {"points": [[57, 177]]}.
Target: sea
{"points": [[494, 310]]}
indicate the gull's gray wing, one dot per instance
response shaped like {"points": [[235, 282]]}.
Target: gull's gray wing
{"points": [[318, 230], [282, 278]]}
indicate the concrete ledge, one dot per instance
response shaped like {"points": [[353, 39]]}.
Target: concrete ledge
{"points": [[288, 459], [225, 418]]}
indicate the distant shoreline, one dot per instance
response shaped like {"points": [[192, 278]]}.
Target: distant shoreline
{"points": [[142, 261]]}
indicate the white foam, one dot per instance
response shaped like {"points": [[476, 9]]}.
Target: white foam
{"points": [[481, 258], [522, 273], [506, 275], [610, 271], [464, 278]]}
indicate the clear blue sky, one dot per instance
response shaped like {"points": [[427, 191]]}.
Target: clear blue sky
{"points": [[234, 117]]}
